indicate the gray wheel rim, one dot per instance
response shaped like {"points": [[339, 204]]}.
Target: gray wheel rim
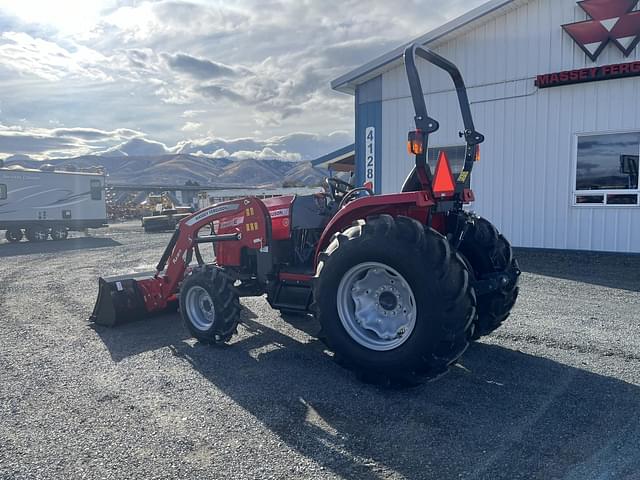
{"points": [[376, 306], [199, 308]]}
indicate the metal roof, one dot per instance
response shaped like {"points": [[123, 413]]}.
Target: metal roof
{"points": [[347, 82], [336, 156]]}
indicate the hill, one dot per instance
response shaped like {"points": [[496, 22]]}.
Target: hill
{"points": [[181, 168]]}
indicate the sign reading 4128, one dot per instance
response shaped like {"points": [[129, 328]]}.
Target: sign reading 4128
{"points": [[370, 153]]}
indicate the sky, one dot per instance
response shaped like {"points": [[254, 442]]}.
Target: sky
{"points": [[245, 78]]}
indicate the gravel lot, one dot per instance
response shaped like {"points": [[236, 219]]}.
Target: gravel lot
{"points": [[554, 394]]}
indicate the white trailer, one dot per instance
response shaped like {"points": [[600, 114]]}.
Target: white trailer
{"points": [[50, 203]]}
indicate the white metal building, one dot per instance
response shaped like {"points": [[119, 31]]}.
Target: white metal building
{"points": [[559, 166]]}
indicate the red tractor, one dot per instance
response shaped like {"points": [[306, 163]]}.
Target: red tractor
{"points": [[399, 283]]}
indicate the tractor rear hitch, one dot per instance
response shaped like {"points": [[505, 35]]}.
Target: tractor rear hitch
{"points": [[496, 282]]}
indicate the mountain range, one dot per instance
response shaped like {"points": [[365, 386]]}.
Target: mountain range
{"points": [[178, 169]]}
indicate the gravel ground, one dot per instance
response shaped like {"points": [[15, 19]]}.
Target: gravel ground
{"points": [[554, 394]]}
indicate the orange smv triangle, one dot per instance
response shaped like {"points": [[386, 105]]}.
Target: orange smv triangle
{"points": [[443, 183]]}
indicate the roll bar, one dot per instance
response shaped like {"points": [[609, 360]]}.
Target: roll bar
{"points": [[430, 125], [423, 121]]}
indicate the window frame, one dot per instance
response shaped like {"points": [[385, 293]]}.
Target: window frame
{"points": [[575, 193]]}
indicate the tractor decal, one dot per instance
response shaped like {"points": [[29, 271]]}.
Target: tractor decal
{"points": [[282, 212], [209, 212]]}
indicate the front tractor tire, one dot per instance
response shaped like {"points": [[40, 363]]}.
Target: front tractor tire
{"points": [[395, 303], [489, 254], [209, 305]]}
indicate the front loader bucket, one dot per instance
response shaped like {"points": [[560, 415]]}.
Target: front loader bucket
{"points": [[119, 301]]}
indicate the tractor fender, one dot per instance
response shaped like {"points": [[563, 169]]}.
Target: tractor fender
{"points": [[415, 205]]}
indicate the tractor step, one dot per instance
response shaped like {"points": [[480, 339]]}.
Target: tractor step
{"points": [[293, 295]]}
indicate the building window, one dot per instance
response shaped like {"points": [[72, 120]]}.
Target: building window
{"points": [[455, 155], [3, 191], [96, 190], [607, 169]]}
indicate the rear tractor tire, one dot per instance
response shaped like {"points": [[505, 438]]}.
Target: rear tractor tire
{"points": [[14, 235], [37, 234], [394, 301], [489, 253], [209, 305]]}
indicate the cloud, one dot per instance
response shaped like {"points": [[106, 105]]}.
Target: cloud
{"points": [[27, 55], [94, 134], [209, 145], [43, 143], [219, 92], [220, 153], [250, 71], [199, 68], [192, 113], [64, 142], [294, 146], [138, 147], [12, 143], [265, 154], [166, 21], [191, 126], [139, 58], [350, 52]]}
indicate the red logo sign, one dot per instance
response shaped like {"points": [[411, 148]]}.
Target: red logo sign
{"points": [[612, 20]]}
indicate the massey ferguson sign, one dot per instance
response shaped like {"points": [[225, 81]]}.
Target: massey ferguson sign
{"points": [[611, 21], [592, 74]]}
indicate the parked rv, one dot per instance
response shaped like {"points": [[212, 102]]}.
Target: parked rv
{"points": [[38, 204]]}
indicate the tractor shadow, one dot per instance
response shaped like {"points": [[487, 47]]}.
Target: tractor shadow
{"points": [[146, 335], [49, 246], [141, 336], [499, 414], [613, 270]]}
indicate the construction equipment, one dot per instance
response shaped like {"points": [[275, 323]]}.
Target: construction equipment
{"points": [[162, 214], [399, 283], [155, 203], [166, 219]]}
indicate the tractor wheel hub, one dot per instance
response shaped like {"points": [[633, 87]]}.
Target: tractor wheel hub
{"points": [[376, 306], [388, 301], [199, 308]]}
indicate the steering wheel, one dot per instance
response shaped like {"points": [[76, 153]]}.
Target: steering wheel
{"points": [[352, 195], [338, 188]]}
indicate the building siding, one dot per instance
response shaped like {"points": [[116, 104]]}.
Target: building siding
{"points": [[524, 182], [369, 114]]}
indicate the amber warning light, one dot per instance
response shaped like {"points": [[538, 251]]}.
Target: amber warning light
{"points": [[415, 144]]}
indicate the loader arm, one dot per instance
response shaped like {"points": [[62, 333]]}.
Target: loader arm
{"points": [[238, 225], [243, 223]]}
